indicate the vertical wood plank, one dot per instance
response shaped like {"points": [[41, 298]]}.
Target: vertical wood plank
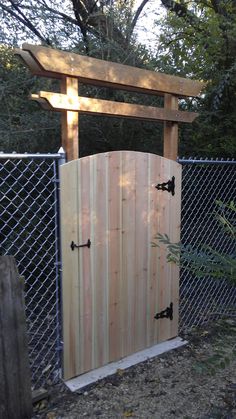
{"points": [[86, 287], [141, 250], [70, 121], [100, 210], [154, 252], [175, 220], [170, 149], [115, 253], [70, 268], [168, 282], [15, 394], [164, 281], [128, 187]]}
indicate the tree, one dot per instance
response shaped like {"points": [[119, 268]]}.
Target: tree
{"points": [[70, 23], [198, 40], [114, 39]]}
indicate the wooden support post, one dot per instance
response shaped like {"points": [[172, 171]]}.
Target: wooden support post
{"points": [[70, 121], [170, 150], [15, 393]]}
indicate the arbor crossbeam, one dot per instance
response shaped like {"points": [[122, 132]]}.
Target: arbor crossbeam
{"points": [[85, 105], [73, 68]]}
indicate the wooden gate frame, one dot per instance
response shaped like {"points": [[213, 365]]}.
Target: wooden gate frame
{"points": [[72, 68]]}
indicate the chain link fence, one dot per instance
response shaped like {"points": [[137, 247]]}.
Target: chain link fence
{"points": [[205, 182], [29, 230]]}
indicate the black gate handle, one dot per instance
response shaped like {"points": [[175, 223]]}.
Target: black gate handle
{"points": [[73, 245]]}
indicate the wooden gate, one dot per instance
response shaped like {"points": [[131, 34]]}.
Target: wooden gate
{"points": [[113, 289]]}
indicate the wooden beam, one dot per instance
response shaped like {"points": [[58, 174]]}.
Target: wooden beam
{"points": [[59, 101], [70, 121], [85, 105], [42, 102], [33, 64], [104, 73], [170, 149]]}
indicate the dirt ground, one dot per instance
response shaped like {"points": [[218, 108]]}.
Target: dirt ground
{"points": [[195, 381]]}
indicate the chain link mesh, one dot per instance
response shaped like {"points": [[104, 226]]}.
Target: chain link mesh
{"points": [[29, 230], [203, 183]]}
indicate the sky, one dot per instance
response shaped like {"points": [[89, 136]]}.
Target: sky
{"points": [[147, 31]]}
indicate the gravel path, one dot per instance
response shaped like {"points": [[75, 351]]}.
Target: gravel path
{"points": [[194, 381]]}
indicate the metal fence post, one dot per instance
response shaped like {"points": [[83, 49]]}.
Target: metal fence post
{"points": [[56, 167]]}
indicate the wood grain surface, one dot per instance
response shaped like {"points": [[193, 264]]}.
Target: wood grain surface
{"points": [[98, 72], [112, 290]]}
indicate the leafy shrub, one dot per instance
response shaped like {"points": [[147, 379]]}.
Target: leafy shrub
{"points": [[204, 260]]}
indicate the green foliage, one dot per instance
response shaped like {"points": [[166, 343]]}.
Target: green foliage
{"points": [[219, 360], [197, 40], [203, 260], [24, 127], [223, 351]]}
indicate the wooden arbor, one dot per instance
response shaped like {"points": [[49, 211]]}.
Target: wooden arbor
{"points": [[72, 68], [116, 287]]}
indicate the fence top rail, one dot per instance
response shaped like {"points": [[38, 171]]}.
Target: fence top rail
{"points": [[19, 156], [205, 161], [61, 155]]}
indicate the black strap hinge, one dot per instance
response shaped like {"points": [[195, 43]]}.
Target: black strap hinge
{"points": [[167, 313], [167, 186]]}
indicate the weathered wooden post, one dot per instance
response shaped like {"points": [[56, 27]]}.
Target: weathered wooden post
{"points": [[15, 391]]}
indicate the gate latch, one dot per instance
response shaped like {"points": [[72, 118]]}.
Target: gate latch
{"points": [[167, 313], [73, 245], [167, 186]]}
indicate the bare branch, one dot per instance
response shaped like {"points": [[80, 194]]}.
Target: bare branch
{"points": [[180, 10], [25, 22], [136, 17], [58, 13]]}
